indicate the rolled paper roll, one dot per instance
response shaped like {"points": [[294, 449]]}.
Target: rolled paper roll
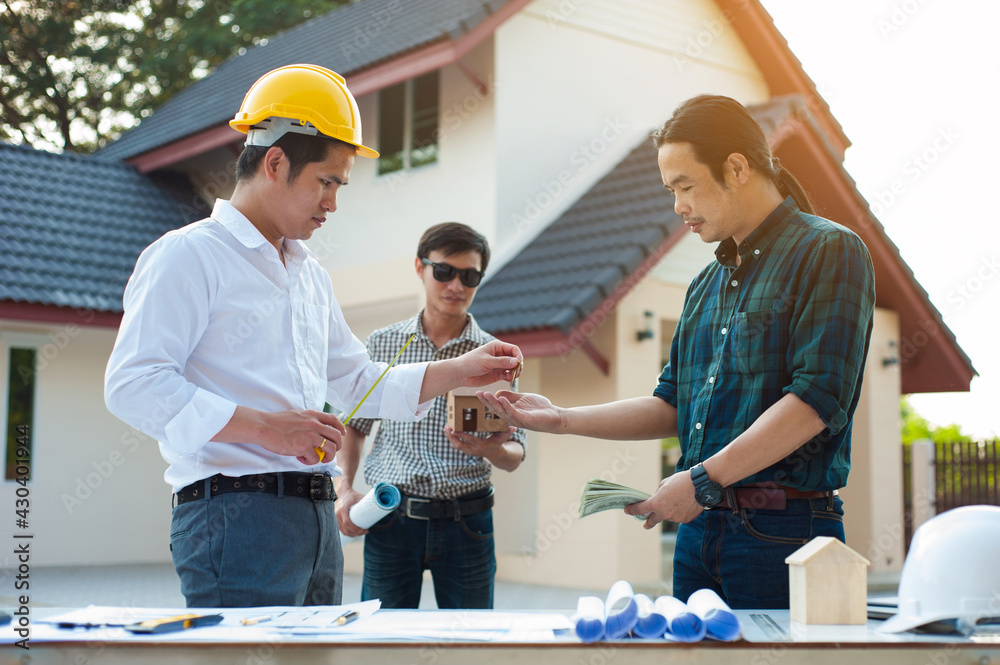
{"points": [[683, 625], [373, 506], [720, 621], [650, 623], [588, 622], [620, 610]]}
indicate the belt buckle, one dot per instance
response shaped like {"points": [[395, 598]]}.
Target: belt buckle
{"points": [[410, 500], [318, 489]]}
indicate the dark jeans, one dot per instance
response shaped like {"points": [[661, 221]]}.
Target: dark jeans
{"points": [[459, 555], [741, 556], [245, 549]]}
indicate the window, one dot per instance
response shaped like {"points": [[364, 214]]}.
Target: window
{"points": [[408, 124], [20, 403]]}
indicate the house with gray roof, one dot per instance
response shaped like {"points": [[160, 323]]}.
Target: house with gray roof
{"points": [[528, 120]]}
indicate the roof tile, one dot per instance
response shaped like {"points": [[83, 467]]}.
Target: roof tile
{"points": [[582, 257], [72, 226], [345, 40]]}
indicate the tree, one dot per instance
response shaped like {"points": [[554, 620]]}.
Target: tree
{"points": [[75, 74], [916, 427]]}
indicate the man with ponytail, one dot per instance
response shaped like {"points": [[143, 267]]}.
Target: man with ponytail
{"points": [[765, 365]]}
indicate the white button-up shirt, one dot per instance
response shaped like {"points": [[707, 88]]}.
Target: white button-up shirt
{"points": [[214, 320]]}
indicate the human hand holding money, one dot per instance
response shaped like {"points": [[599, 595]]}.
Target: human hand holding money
{"points": [[599, 495]]}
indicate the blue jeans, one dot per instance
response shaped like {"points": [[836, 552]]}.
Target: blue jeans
{"points": [[459, 555], [741, 555], [245, 549]]}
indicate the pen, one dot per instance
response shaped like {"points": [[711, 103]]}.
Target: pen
{"points": [[347, 617], [255, 620]]}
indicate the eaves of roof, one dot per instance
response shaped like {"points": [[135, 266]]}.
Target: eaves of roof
{"points": [[374, 43], [71, 228], [551, 297]]}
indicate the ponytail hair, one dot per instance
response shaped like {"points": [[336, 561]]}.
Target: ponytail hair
{"points": [[716, 127]]}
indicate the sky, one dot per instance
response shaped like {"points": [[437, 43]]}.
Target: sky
{"points": [[916, 86]]}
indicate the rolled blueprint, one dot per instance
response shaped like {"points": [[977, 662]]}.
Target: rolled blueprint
{"points": [[683, 625], [379, 502], [650, 624], [620, 610], [588, 622], [720, 622]]}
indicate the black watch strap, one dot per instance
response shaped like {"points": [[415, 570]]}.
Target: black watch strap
{"points": [[706, 492]]}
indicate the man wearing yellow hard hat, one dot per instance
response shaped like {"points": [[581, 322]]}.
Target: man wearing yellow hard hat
{"points": [[231, 343]]}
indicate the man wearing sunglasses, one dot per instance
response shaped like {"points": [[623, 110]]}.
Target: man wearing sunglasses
{"points": [[445, 522], [231, 343]]}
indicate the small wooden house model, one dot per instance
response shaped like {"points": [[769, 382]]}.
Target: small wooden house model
{"points": [[467, 414], [828, 583]]}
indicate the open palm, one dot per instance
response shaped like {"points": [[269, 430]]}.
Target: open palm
{"points": [[526, 410]]}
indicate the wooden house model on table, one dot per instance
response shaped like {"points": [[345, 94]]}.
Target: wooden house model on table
{"points": [[467, 414], [828, 583]]}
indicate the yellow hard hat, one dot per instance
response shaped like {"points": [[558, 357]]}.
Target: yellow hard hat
{"points": [[305, 99]]}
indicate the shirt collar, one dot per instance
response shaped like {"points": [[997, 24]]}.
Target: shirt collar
{"points": [[234, 221], [471, 332], [761, 237]]}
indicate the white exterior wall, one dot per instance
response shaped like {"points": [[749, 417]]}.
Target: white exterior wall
{"points": [[873, 498], [368, 245], [571, 93], [97, 491], [580, 84]]}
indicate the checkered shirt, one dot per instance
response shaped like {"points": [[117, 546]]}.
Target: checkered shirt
{"points": [[417, 456], [794, 317]]}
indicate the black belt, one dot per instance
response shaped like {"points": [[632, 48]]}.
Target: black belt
{"points": [[418, 508], [315, 486], [768, 496]]}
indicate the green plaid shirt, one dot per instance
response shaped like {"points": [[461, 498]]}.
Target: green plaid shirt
{"points": [[794, 317]]}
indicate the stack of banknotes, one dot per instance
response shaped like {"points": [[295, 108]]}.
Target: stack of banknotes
{"points": [[601, 495]]}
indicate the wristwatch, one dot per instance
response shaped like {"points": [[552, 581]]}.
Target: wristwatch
{"points": [[706, 492]]}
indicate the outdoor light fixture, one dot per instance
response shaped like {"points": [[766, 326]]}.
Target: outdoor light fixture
{"points": [[646, 333], [893, 357]]}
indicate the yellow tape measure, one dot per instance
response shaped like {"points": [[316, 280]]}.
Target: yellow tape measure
{"points": [[322, 453]]}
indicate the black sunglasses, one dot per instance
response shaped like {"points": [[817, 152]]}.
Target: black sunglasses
{"points": [[470, 277]]}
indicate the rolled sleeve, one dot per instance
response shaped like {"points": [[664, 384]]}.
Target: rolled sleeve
{"points": [[167, 306], [667, 387], [833, 323], [198, 421], [401, 400], [395, 397]]}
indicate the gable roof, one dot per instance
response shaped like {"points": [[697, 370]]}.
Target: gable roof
{"points": [[72, 226], [349, 39], [551, 296], [825, 550], [377, 43], [591, 255], [580, 260]]}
